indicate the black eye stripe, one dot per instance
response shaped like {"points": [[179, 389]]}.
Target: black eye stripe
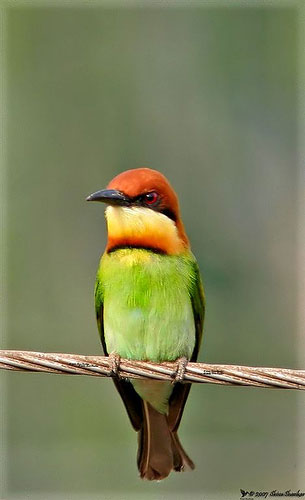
{"points": [[147, 199], [169, 214], [157, 207]]}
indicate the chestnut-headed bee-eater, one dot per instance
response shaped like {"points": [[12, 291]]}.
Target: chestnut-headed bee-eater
{"points": [[150, 306]]}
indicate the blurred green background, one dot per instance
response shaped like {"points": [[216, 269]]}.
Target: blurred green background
{"points": [[208, 97]]}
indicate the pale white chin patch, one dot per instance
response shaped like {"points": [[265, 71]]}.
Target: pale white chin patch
{"points": [[139, 216], [141, 222]]}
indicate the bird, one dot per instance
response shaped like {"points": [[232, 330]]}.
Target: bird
{"points": [[150, 305]]}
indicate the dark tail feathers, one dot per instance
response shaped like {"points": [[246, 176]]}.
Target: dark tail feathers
{"points": [[160, 450]]}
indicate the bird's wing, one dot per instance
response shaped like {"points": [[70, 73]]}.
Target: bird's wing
{"points": [[180, 393], [131, 399]]}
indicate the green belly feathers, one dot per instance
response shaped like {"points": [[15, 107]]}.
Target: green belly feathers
{"points": [[147, 307]]}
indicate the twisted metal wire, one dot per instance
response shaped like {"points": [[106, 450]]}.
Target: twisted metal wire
{"points": [[103, 366]]}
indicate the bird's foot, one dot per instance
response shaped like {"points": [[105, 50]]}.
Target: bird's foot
{"points": [[180, 370], [114, 364]]}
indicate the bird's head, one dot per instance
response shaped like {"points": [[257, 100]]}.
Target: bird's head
{"points": [[143, 211]]}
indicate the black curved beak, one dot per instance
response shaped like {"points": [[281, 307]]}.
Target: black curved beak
{"points": [[109, 196]]}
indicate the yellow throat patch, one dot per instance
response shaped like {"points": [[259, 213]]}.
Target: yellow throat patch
{"points": [[143, 227]]}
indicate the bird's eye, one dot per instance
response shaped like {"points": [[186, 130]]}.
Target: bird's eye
{"points": [[151, 198]]}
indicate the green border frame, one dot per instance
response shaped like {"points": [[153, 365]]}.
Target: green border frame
{"points": [[151, 4], [301, 234], [3, 247]]}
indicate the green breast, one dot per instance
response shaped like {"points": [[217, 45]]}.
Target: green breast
{"points": [[147, 307]]}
